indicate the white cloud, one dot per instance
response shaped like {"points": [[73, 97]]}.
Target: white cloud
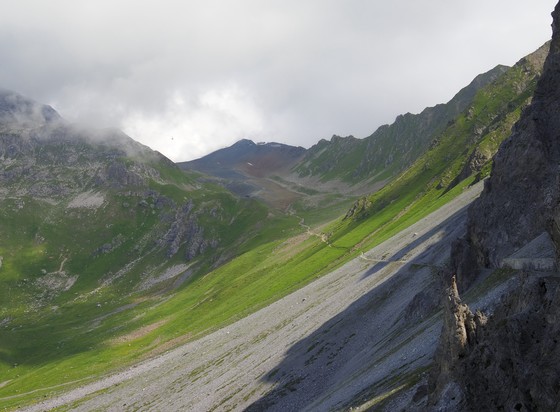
{"points": [[187, 128]]}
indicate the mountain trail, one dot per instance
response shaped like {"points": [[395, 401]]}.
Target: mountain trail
{"points": [[323, 236]]}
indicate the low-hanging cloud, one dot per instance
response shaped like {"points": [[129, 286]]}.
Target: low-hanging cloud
{"points": [[225, 114], [189, 77]]}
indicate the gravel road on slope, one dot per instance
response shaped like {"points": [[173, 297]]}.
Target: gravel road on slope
{"points": [[316, 348]]}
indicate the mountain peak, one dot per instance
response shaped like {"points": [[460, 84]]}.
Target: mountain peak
{"points": [[15, 108], [244, 142]]}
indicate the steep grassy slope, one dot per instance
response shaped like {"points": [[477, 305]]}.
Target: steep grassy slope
{"points": [[463, 151]]}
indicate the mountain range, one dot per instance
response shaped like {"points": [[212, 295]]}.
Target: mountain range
{"points": [[111, 254]]}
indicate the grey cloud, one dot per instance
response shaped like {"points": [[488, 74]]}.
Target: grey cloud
{"points": [[187, 77]]}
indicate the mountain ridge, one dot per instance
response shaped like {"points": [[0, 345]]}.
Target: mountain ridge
{"points": [[408, 135]]}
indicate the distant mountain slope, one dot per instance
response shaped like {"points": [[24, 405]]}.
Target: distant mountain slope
{"points": [[391, 148], [252, 170], [248, 158]]}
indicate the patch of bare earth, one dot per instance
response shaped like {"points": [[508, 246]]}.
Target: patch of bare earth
{"points": [[136, 334]]}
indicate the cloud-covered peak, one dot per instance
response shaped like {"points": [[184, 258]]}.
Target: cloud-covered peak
{"points": [[17, 109]]}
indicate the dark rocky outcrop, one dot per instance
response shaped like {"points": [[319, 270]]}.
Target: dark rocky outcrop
{"points": [[459, 333], [187, 230], [509, 361], [521, 198]]}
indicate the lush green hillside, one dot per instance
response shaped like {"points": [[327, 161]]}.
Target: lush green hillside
{"points": [[460, 155]]}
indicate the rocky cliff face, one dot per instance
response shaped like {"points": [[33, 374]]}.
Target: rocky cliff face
{"points": [[521, 197], [506, 362], [459, 335], [509, 361]]}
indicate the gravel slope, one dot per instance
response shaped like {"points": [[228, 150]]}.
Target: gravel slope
{"points": [[316, 349]]}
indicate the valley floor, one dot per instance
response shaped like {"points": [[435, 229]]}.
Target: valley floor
{"points": [[356, 333]]}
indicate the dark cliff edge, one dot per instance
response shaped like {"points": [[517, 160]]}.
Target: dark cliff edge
{"points": [[509, 359], [520, 199]]}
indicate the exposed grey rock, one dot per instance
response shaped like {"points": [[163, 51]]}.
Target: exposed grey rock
{"points": [[459, 332], [110, 246], [520, 198], [510, 361], [186, 230], [539, 254]]}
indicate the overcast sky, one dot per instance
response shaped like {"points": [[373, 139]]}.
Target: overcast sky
{"points": [[189, 77]]}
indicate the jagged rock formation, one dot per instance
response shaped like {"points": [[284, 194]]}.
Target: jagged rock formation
{"points": [[521, 197], [459, 334], [507, 362], [186, 230]]}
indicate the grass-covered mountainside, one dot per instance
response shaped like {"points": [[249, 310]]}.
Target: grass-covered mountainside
{"points": [[463, 151], [391, 148], [110, 253]]}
